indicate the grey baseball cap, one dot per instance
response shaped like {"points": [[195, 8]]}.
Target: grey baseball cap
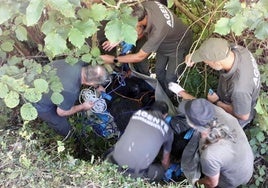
{"points": [[212, 49], [199, 111]]}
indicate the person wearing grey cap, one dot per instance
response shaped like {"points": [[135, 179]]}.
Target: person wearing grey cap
{"points": [[239, 81], [225, 156]]}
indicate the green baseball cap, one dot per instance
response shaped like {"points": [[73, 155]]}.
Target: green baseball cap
{"points": [[212, 49]]}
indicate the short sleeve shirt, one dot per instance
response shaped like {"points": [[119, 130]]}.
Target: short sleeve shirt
{"points": [[232, 158], [164, 29], [70, 77], [145, 134], [241, 85]]}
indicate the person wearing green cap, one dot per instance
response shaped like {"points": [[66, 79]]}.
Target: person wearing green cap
{"points": [[239, 80]]}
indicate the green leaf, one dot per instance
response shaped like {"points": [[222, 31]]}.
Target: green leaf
{"points": [[4, 90], [41, 85], [129, 35], [56, 98], [5, 13], [28, 112], [64, 6], [95, 52], [34, 11], [222, 26], [21, 33], [261, 31], [14, 60], [233, 7], [260, 136], [56, 85], [12, 99], [76, 37], [7, 46], [71, 60], [86, 58], [49, 26], [32, 95], [113, 31], [88, 27], [238, 24], [97, 12], [55, 44]]}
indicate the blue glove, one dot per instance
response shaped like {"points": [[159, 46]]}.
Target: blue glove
{"points": [[173, 170], [126, 48]]}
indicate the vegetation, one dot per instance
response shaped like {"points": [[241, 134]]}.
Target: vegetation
{"points": [[32, 33]]}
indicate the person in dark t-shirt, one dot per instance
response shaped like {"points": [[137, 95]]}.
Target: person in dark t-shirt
{"points": [[166, 35], [141, 142], [239, 81], [72, 78]]}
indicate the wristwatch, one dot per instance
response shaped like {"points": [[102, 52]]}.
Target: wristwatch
{"points": [[115, 60]]}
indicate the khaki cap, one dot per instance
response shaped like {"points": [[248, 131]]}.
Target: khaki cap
{"points": [[213, 49]]}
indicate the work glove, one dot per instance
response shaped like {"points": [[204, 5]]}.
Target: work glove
{"points": [[175, 88]]}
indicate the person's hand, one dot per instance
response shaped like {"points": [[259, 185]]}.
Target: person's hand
{"points": [[107, 58], [213, 98], [87, 105], [175, 88], [108, 46], [188, 60]]}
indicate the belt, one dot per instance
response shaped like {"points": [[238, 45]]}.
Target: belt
{"points": [[127, 170]]}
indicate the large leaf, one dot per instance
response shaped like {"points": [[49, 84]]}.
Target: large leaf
{"points": [[113, 31], [129, 35], [88, 27], [21, 33], [32, 95], [64, 6], [76, 37], [222, 26], [233, 7], [28, 112], [261, 31], [5, 13], [12, 99], [55, 43], [238, 24], [56, 98], [49, 26], [97, 12], [34, 11], [41, 85]]}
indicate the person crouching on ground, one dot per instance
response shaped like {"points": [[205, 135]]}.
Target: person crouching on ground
{"points": [[141, 142], [72, 78], [226, 157]]}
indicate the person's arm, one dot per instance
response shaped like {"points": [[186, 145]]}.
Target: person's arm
{"points": [[129, 58], [77, 108], [178, 90], [209, 182], [214, 98], [166, 160]]}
